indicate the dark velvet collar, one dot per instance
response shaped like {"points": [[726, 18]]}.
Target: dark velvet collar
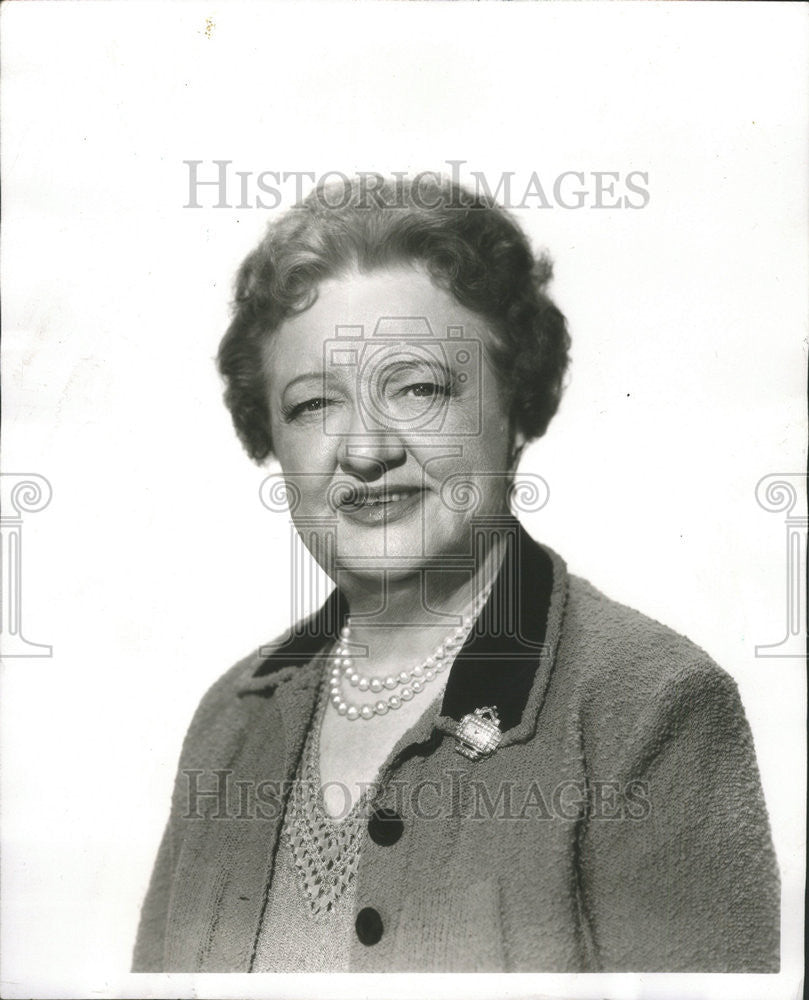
{"points": [[499, 661]]}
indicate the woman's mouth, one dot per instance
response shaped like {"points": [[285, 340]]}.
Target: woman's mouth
{"points": [[381, 505]]}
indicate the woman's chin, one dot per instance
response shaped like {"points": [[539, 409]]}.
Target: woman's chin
{"points": [[400, 550], [375, 575]]}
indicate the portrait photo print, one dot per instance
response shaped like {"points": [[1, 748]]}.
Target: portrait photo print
{"points": [[405, 417]]}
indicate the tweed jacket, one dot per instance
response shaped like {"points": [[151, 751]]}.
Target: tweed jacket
{"points": [[619, 826]]}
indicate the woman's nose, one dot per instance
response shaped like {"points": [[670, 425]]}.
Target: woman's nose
{"points": [[370, 456]]}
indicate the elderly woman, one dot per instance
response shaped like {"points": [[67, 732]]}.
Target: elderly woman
{"points": [[467, 759]]}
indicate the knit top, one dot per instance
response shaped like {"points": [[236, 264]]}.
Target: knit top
{"points": [[293, 938]]}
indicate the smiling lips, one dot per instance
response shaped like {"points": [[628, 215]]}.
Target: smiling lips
{"points": [[372, 505]]}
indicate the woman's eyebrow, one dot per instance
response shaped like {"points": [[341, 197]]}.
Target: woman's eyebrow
{"points": [[415, 365], [382, 369], [312, 376]]}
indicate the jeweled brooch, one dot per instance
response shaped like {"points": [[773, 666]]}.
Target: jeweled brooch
{"points": [[478, 734]]}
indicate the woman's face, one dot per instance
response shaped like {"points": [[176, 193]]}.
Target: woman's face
{"points": [[388, 421]]}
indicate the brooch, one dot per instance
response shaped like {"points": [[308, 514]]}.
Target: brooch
{"points": [[478, 734]]}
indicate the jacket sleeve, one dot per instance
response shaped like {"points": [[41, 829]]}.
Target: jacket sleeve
{"points": [[682, 877], [149, 950]]}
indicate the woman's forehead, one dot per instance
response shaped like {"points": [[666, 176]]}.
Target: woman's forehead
{"points": [[401, 304]]}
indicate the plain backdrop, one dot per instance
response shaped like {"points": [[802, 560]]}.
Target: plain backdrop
{"points": [[155, 566]]}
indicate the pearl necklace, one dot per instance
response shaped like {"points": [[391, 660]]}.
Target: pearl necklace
{"points": [[410, 682]]}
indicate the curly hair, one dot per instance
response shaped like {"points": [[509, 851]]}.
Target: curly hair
{"points": [[469, 246]]}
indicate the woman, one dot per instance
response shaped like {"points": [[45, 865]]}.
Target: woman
{"points": [[466, 760]]}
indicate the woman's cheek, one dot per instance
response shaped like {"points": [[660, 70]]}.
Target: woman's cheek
{"points": [[306, 448]]}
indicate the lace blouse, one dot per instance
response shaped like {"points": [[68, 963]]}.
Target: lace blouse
{"points": [[308, 924]]}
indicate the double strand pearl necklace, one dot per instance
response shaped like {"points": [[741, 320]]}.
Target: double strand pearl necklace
{"points": [[409, 682]]}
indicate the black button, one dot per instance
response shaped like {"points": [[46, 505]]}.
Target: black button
{"points": [[369, 925], [385, 827]]}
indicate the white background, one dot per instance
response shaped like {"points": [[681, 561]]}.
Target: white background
{"points": [[155, 566]]}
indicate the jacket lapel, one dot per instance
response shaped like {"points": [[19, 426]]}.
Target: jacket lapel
{"points": [[506, 661]]}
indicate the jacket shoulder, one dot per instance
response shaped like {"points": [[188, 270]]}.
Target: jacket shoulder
{"points": [[219, 719], [260, 669], [617, 645], [631, 676]]}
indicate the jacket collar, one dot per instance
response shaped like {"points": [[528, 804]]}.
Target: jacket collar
{"points": [[506, 661]]}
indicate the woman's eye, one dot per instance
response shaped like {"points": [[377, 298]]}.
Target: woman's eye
{"points": [[425, 390], [308, 406]]}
